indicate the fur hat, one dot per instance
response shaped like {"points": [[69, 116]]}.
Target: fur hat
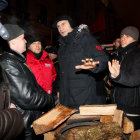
{"points": [[64, 17], [131, 31], [14, 31]]}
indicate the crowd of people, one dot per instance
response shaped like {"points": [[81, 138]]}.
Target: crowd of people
{"points": [[33, 83]]}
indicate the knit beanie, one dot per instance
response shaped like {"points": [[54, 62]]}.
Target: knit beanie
{"points": [[64, 17], [131, 31], [14, 31]]}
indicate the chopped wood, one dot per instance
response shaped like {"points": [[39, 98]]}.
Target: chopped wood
{"points": [[135, 135], [118, 117], [128, 126], [106, 119], [97, 109], [117, 138], [51, 134], [52, 119]]}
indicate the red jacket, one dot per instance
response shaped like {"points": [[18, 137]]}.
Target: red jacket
{"points": [[43, 70]]}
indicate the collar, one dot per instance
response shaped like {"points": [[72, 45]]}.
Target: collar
{"points": [[74, 35], [38, 55], [18, 55], [129, 47], [32, 56]]}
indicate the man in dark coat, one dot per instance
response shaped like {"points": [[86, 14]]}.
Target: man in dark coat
{"points": [[125, 73], [11, 121], [78, 87], [29, 98]]}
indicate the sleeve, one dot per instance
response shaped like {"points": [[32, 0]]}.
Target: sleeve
{"points": [[130, 75], [93, 50], [11, 123], [25, 92]]}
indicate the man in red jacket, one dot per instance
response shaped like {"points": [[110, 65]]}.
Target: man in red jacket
{"points": [[41, 66]]}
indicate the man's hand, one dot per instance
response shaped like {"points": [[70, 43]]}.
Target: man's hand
{"points": [[114, 68], [87, 64]]}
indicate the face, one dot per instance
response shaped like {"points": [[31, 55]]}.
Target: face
{"points": [[126, 40], [19, 44], [36, 47], [64, 27], [117, 42]]}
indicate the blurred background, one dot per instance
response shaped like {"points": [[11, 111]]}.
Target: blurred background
{"points": [[105, 18]]}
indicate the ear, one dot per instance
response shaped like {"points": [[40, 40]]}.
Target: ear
{"points": [[12, 43]]}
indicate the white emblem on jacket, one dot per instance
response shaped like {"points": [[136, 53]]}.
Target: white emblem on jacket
{"points": [[47, 65]]}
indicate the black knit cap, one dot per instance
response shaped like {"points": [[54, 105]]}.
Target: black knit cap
{"points": [[64, 17], [32, 38], [14, 31], [131, 31]]}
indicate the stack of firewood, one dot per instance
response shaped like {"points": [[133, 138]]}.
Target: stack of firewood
{"points": [[112, 123]]}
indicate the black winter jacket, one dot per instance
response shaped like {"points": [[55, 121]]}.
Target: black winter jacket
{"points": [[11, 121], [78, 87], [127, 84], [30, 99]]}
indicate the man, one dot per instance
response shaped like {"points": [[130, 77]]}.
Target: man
{"points": [[30, 99], [78, 87], [11, 120], [116, 48], [125, 74], [52, 53], [38, 61]]}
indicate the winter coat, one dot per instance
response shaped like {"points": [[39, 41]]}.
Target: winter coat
{"points": [[30, 99], [78, 87], [126, 93], [43, 69], [11, 121]]}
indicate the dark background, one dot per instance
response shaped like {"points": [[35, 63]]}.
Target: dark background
{"points": [[105, 18]]}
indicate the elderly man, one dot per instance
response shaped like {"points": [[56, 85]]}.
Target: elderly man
{"points": [[125, 74], [29, 98], [78, 87]]}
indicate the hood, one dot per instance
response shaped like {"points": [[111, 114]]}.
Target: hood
{"points": [[74, 35]]}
